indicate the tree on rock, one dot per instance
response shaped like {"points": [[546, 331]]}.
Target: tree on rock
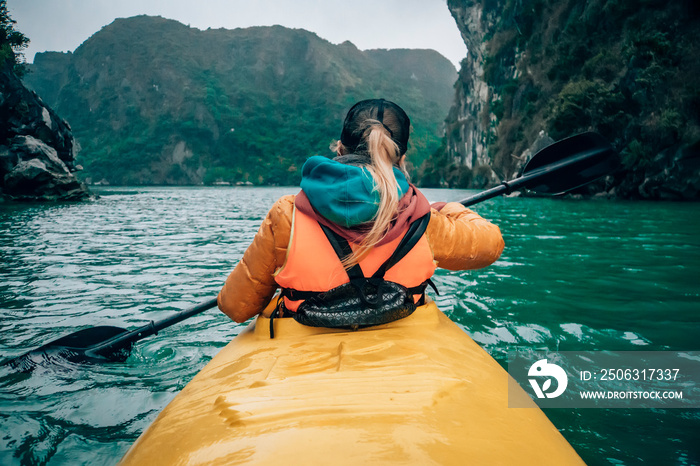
{"points": [[12, 42]]}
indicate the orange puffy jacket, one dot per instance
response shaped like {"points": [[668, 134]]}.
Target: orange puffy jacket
{"points": [[459, 239]]}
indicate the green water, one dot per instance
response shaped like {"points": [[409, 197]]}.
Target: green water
{"points": [[575, 275]]}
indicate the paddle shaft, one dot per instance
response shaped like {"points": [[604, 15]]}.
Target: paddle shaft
{"points": [[151, 328], [516, 184]]}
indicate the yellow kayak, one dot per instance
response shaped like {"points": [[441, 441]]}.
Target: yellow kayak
{"points": [[415, 391]]}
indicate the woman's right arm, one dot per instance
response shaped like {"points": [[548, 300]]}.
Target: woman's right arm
{"points": [[251, 285], [461, 239]]}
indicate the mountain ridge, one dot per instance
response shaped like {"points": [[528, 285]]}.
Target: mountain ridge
{"points": [[153, 101]]}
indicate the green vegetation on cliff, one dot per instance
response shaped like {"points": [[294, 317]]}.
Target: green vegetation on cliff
{"points": [[629, 69], [151, 100]]}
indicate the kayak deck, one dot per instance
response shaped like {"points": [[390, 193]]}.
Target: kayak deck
{"points": [[415, 391]]}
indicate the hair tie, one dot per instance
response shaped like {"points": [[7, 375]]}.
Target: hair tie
{"points": [[370, 125]]}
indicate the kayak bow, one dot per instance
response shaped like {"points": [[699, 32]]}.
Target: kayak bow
{"points": [[415, 391]]}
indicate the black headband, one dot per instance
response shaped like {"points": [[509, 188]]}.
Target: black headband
{"points": [[380, 117]]}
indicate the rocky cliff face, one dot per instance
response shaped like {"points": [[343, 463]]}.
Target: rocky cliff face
{"points": [[37, 151], [467, 140], [537, 69]]}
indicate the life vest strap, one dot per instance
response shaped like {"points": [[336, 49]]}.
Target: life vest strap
{"points": [[342, 247], [298, 295], [410, 239], [342, 250]]}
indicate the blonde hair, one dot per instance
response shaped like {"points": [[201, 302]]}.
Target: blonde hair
{"points": [[385, 155]]}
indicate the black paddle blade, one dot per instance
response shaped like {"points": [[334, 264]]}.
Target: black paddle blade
{"points": [[75, 347], [570, 163], [102, 343]]}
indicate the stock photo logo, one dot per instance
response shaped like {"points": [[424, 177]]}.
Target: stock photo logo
{"points": [[541, 369]]}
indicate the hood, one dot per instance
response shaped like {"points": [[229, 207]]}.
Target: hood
{"points": [[344, 199], [344, 194]]}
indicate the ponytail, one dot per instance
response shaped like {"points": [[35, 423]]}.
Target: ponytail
{"points": [[385, 154]]}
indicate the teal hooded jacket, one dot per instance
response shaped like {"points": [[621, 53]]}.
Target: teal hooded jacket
{"points": [[344, 194]]}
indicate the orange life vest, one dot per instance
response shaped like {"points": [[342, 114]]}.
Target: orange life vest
{"points": [[312, 264]]}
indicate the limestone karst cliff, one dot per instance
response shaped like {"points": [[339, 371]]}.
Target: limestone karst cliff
{"points": [[541, 69], [37, 149]]}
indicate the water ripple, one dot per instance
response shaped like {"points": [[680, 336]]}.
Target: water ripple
{"points": [[574, 276]]}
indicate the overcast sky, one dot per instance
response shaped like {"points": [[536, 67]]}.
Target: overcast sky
{"points": [[427, 24]]}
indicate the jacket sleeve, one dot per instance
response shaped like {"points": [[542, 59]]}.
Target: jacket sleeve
{"points": [[461, 239], [251, 285]]}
